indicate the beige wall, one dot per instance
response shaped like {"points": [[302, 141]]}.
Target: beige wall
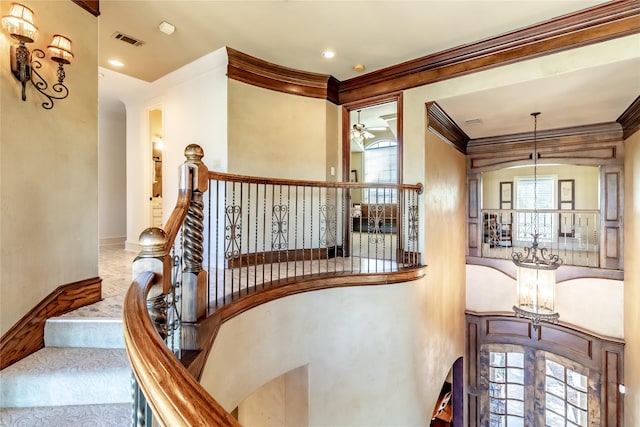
{"points": [[277, 135], [356, 343], [442, 296], [49, 218], [586, 188], [632, 280]]}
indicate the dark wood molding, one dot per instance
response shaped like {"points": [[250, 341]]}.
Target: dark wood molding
{"points": [[91, 6], [603, 356], [581, 145], [440, 122], [257, 72], [27, 336], [593, 25], [630, 119]]}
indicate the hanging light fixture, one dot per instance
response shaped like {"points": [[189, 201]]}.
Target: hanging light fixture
{"points": [[536, 277], [19, 25], [359, 133]]}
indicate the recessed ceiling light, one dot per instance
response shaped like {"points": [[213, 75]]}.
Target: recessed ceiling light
{"points": [[328, 54], [166, 28], [358, 67], [116, 63]]}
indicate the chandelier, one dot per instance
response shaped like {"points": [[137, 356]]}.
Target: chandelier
{"points": [[536, 268]]}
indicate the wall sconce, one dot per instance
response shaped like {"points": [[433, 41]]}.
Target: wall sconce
{"points": [[19, 25]]}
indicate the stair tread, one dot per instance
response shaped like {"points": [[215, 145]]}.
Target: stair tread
{"points": [[96, 332], [67, 376], [109, 415]]}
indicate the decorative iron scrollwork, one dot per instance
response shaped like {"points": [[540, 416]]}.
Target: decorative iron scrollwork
{"points": [[232, 231], [375, 224], [413, 223], [328, 225], [279, 227]]}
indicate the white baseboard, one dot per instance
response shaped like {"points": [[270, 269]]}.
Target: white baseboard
{"points": [[129, 246], [113, 241]]}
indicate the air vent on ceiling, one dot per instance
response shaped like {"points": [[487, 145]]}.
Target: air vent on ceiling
{"points": [[127, 39]]}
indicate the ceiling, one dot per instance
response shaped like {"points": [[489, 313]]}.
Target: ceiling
{"points": [[377, 34]]}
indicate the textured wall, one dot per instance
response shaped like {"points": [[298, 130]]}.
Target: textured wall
{"points": [[278, 135], [49, 168], [632, 280]]}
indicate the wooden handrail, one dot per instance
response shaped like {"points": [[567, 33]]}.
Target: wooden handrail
{"points": [[176, 398], [219, 176], [172, 391]]}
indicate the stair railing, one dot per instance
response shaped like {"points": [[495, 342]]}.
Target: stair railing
{"points": [[233, 236]]}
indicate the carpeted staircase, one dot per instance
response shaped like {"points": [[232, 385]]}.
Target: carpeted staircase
{"points": [[81, 378]]}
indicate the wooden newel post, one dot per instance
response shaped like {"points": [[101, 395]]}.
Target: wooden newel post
{"points": [[154, 257], [194, 278]]}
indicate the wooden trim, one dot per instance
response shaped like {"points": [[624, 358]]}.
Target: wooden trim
{"points": [[208, 328], [603, 356], [185, 402], [27, 336], [269, 257], [593, 25], [219, 176], [630, 119], [91, 6], [581, 145], [257, 72], [440, 122]]}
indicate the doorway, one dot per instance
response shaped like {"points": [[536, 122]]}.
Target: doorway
{"points": [[371, 152], [157, 147]]}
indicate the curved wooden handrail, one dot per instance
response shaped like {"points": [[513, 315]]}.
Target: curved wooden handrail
{"points": [[307, 183], [176, 398], [172, 391]]}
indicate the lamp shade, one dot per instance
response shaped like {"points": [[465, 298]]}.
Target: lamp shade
{"points": [[19, 23], [60, 49]]}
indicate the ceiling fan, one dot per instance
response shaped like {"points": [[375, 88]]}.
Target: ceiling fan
{"points": [[359, 133]]}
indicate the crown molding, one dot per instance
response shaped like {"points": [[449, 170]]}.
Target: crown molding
{"points": [[91, 6], [630, 119], [257, 72], [441, 123], [589, 26]]}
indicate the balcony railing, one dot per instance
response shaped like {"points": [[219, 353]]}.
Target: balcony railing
{"points": [[574, 235], [231, 239]]}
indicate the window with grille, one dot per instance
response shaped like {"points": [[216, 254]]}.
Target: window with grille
{"points": [[529, 222], [565, 396], [506, 389], [521, 379], [381, 166]]}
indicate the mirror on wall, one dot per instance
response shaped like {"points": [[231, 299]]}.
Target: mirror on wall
{"points": [[374, 154]]}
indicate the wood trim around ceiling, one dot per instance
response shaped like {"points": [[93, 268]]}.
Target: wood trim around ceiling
{"points": [[442, 124], [91, 6], [594, 145], [630, 119], [255, 71], [593, 25]]}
